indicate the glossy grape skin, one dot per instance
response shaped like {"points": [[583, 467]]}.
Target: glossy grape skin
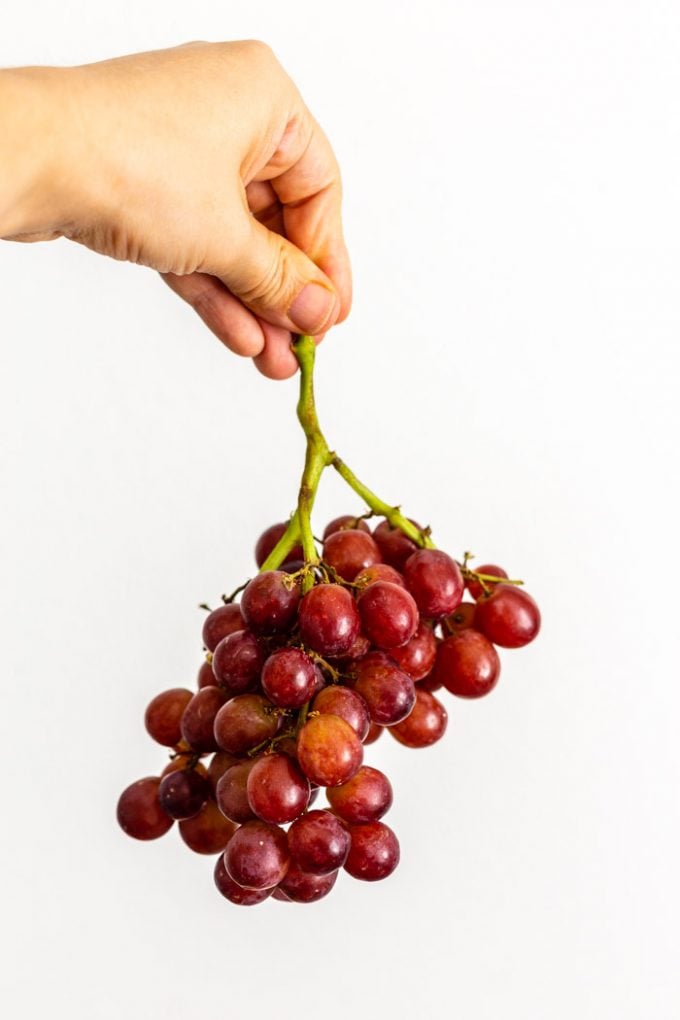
{"points": [[208, 832], [257, 855], [435, 581], [389, 615], [379, 572], [374, 852], [345, 523], [416, 657], [508, 617], [206, 677], [467, 664], [183, 793], [365, 798], [475, 587], [231, 792], [329, 620], [425, 725], [238, 661], [345, 703], [289, 678], [318, 843], [244, 722], [388, 692], [268, 605], [269, 539], [348, 552], [277, 790], [139, 810], [234, 892], [220, 622], [461, 619], [393, 544], [329, 751], [374, 733], [300, 887], [163, 715], [199, 718], [219, 763]]}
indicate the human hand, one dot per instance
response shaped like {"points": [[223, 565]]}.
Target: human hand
{"points": [[204, 163]]}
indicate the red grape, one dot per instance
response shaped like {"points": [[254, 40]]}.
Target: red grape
{"points": [[206, 677], [209, 831], [199, 718], [329, 751], [379, 572], [389, 615], [425, 725], [366, 797], [430, 683], [348, 552], [301, 887], [343, 523], [219, 763], [388, 692], [185, 761], [416, 657], [269, 538], [222, 621], [467, 664], [139, 810], [289, 678], [508, 616], [270, 602], [374, 851], [231, 792], [257, 855], [350, 706], [163, 715], [234, 892], [318, 843], [277, 790], [475, 587], [183, 793], [237, 662], [244, 722], [461, 618], [374, 733], [329, 619], [435, 581], [393, 544]]}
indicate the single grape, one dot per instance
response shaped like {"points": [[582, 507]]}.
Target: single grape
{"points": [[206, 677], [329, 620], [219, 763], [183, 793], [425, 725], [344, 523], [475, 587], [237, 662], [270, 602], [139, 810], [163, 715], [329, 751], [366, 797], [360, 646], [393, 544], [277, 790], [388, 692], [374, 852], [318, 843], [350, 706], [467, 664], [234, 892], [435, 581], [416, 657], [301, 887], [374, 733], [509, 617], [430, 683], [289, 678], [379, 572], [257, 855], [348, 552], [244, 722], [269, 538], [209, 831], [199, 718], [461, 619], [185, 761], [389, 615], [231, 792], [222, 621]]}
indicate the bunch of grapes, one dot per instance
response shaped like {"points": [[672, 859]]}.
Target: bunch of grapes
{"points": [[319, 658]]}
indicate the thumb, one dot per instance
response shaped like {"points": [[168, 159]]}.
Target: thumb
{"points": [[278, 282]]}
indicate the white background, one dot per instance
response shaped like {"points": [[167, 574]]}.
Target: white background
{"points": [[509, 374]]}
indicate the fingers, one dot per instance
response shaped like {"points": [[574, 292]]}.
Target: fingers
{"points": [[222, 313]]}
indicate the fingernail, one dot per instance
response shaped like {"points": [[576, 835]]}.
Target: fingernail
{"points": [[312, 308]]}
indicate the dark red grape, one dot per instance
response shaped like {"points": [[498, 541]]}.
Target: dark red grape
{"points": [[416, 657], [244, 722], [234, 892], [269, 603], [199, 718], [348, 552], [237, 662], [509, 617], [231, 792], [289, 678], [318, 843], [329, 620], [393, 544], [467, 664], [257, 855], [388, 692], [222, 621], [206, 677], [374, 852], [329, 751], [374, 733], [277, 790], [366, 797], [163, 715], [379, 572], [435, 581], [301, 887], [219, 763], [269, 538], [350, 706], [461, 618], [475, 587], [343, 523], [139, 810], [425, 725], [389, 615], [209, 831], [183, 793]]}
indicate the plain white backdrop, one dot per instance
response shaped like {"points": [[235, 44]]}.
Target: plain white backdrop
{"points": [[510, 375]]}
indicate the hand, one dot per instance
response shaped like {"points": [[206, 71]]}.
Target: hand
{"points": [[202, 162]]}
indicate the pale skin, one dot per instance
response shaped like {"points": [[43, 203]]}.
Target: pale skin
{"points": [[201, 162]]}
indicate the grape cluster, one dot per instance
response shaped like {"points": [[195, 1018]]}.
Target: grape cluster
{"points": [[313, 664]]}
